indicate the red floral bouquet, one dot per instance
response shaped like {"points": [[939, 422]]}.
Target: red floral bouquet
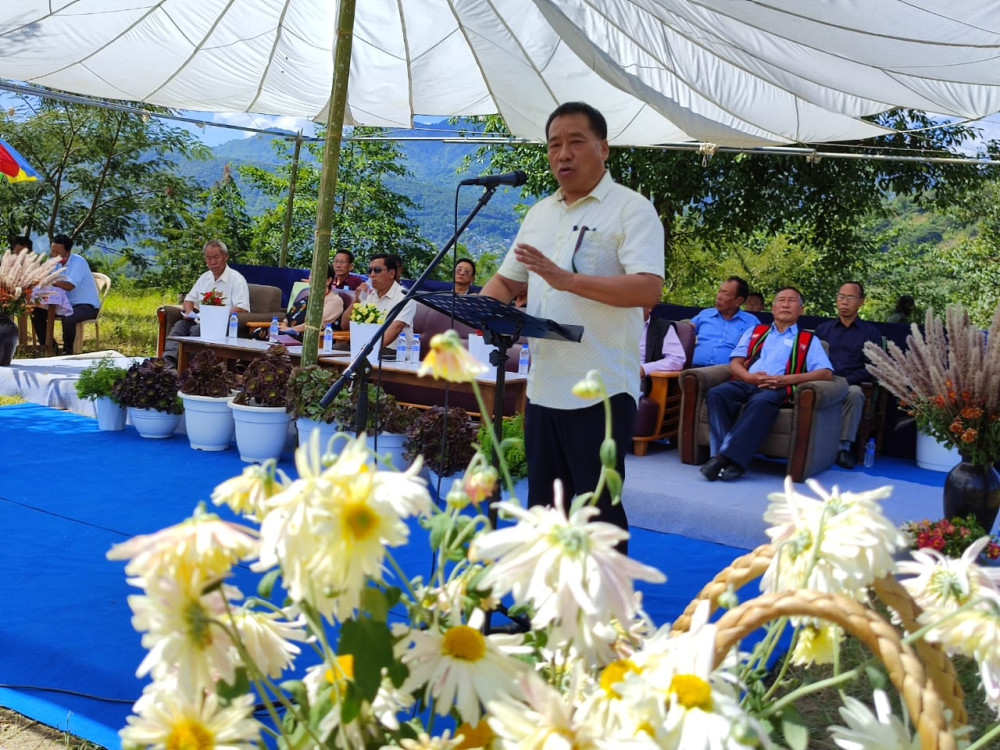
{"points": [[213, 298], [950, 537]]}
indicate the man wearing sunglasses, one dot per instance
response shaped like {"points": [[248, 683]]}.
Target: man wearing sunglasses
{"points": [[589, 254], [383, 290]]}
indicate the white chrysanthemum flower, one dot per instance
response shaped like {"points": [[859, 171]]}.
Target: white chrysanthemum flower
{"points": [[424, 741], [567, 568], [245, 495], [268, 638], [457, 666], [839, 542], [541, 718], [167, 717], [328, 531], [942, 582], [201, 548], [872, 731], [184, 634]]}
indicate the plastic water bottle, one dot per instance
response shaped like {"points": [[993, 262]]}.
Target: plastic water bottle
{"points": [[522, 361], [870, 453], [328, 338], [234, 324], [415, 350], [272, 334], [401, 349]]}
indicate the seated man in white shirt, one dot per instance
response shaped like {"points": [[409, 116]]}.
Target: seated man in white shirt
{"points": [[219, 277], [384, 291]]}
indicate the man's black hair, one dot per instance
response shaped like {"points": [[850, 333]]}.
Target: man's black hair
{"points": [[742, 288], [597, 122]]}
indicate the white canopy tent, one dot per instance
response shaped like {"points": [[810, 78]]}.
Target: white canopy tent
{"points": [[730, 72]]}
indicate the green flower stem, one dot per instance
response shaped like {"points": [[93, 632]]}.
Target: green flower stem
{"points": [[814, 687], [402, 576], [987, 738], [487, 420]]}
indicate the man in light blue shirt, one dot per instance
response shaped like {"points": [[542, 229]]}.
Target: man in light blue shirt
{"points": [[766, 365], [718, 329], [81, 289]]}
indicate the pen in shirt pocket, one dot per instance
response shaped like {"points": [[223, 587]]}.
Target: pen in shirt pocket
{"points": [[583, 229]]}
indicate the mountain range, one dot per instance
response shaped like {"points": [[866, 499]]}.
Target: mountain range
{"points": [[435, 168]]}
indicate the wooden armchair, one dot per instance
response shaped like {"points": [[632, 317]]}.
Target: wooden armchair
{"points": [[658, 413], [807, 432], [265, 303]]}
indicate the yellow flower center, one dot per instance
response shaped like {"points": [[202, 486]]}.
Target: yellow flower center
{"points": [[478, 736], [360, 520], [615, 672], [691, 691], [188, 734], [463, 642], [198, 624]]}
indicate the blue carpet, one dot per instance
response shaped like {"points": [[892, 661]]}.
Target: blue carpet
{"points": [[68, 492]]}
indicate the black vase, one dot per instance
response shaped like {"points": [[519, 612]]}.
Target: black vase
{"points": [[971, 488], [8, 340]]}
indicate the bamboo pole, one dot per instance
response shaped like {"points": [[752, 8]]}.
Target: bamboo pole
{"points": [[328, 181]]}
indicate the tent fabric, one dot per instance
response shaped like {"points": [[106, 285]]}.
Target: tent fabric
{"points": [[731, 72]]}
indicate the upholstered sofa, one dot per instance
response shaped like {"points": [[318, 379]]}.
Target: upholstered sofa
{"points": [[658, 413], [807, 432]]}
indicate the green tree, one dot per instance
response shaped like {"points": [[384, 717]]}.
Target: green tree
{"points": [[740, 201], [368, 216], [102, 171]]}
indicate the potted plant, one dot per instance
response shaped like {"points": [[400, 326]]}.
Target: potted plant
{"points": [[206, 388], [149, 391], [445, 437], [947, 378], [213, 315], [366, 319], [386, 424], [306, 387], [96, 383], [259, 409]]}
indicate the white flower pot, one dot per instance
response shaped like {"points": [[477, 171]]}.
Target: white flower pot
{"points": [[933, 456], [110, 416], [390, 450], [361, 334], [209, 421], [214, 322], [150, 423], [261, 431], [327, 431]]}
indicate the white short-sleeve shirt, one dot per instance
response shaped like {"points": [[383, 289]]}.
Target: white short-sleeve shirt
{"points": [[231, 283], [611, 231]]}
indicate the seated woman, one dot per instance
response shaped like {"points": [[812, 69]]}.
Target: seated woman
{"points": [[295, 318]]}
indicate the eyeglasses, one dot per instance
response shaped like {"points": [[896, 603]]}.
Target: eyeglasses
{"points": [[848, 297], [376, 269]]}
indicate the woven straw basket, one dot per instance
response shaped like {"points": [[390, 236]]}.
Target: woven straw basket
{"points": [[923, 674]]}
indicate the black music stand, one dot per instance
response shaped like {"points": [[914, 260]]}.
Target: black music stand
{"points": [[502, 325]]}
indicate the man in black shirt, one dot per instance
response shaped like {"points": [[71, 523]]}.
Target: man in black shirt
{"points": [[846, 336]]}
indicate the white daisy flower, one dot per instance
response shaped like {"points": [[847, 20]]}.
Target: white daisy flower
{"points": [[872, 731], [268, 638], [567, 568], [167, 717], [202, 547], [184, 634], [457, 666], [245, 495], [839, 542], [424, 741]]}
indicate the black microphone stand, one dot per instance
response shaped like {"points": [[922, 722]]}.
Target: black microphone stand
{"points": [[362, 358]]}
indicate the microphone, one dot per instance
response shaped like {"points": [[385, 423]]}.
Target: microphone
{"points": [[515, 178]]}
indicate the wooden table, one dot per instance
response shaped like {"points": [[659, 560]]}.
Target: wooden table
{"points": [[397, 380]]}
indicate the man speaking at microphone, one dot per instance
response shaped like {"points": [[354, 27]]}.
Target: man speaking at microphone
{"points": [[590, 254]]}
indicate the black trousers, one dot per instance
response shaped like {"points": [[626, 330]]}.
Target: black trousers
{"points": [[565, 444], [39, 319]]}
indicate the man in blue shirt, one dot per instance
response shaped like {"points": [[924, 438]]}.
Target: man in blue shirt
{"points": [[846, 336], [767, 364], [718, 329], [81, 289]]}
